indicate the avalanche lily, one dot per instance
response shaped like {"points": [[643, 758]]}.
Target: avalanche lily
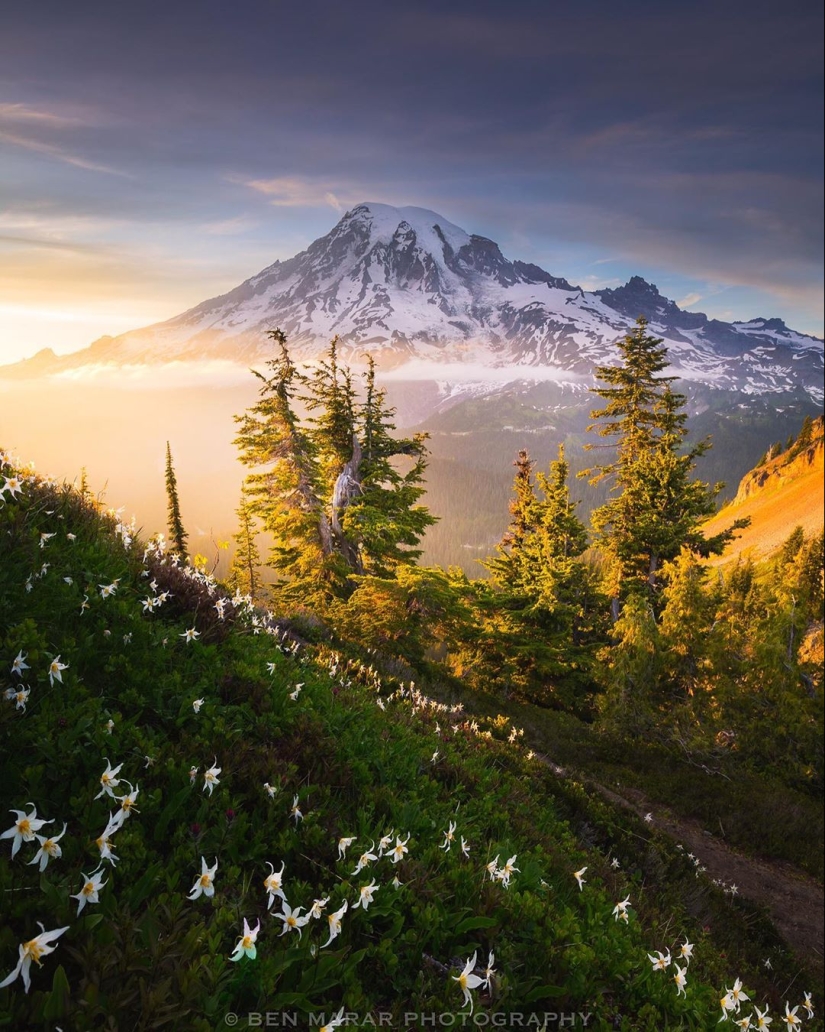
{"points": [[33, 950], [49, 849], [335, 922], [204, 886], [56, 669], [291, 919], [92, 885], [245, 946], [109, 779], [660, 961], [620, 910], [273, 883], [24, 828], [210, 777], [467, 981], [365, 895]]}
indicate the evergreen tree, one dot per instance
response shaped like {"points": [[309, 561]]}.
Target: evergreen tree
{"points": [[329, 491], [540, 600], [284, 490], [657, 506], [177, 534], [243, 575], [383, 515]]}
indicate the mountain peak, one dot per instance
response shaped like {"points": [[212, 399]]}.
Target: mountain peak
{"points": [[383, 221], [404, 284]]}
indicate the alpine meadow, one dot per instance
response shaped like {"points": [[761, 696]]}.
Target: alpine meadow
{"points": [[408, 635]]}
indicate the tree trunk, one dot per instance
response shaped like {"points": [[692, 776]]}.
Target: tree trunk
{"points": [[347, 486]]}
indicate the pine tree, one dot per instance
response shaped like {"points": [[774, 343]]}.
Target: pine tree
{"points": [[541, 595], [383, 515], [243, 575], [330, 492], [284, 490], [657, 506], [177, 534]]}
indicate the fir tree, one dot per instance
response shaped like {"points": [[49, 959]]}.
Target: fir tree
{"points": [[284, 489], [244, 572], [657, 506], [383, 515], [177, 534], [330, 492], [541, 595]]}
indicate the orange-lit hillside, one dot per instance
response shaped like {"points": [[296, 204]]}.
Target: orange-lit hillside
{"points": [[784, 493]]}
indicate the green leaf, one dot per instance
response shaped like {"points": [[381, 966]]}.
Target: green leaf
{"points": [[57, 1002], [169, 812], [471, 923], [544, 992]]}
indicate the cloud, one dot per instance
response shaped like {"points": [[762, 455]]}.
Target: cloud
{"points": [[475, 372], [689, 300], [230, 227], [168, 376], [295, 192], [27, 114], [51, 150]]}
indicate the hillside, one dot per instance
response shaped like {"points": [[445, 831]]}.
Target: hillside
{"points": [[783, 493], [251, 752]]}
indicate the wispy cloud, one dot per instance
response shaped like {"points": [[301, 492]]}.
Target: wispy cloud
{"points": [[169, 376], [295, 192], [689, 300], [52, 150], [37, 116], [230, 227]]}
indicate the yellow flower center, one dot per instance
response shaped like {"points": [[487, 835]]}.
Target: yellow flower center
{"points": [[205, 880], [88, 888], [24, 826], [34, 950], [246, 942], [291, 922]]}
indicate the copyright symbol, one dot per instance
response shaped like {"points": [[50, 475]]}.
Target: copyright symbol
{"points": [[230, 1018]]}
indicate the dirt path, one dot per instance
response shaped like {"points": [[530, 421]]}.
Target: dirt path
{"points": [[795, 901]]}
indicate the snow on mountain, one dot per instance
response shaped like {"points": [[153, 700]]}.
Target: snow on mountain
{"points": [[407, 286]]}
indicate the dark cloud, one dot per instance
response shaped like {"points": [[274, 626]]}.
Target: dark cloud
{"points": [[686, 135]]}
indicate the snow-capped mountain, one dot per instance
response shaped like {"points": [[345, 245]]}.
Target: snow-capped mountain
{"points": [[405, 284]]}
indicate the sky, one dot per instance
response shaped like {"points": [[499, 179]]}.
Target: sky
{"points": [[153, 155]]}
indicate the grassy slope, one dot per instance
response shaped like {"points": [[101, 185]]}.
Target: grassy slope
{"points": [[777, 497], [147, 957]]}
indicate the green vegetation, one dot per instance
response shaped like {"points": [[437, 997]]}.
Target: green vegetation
{"points": [[177, 533], [220, 767]]}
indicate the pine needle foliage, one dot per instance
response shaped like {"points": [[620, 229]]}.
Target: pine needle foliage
{"points": [[657, 505], [177, 533]]}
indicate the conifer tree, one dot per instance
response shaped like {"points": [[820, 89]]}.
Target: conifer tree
{"points": [[384, 516], [657, 506], [541, 593], [177, 534], [244, 572], [329, 491], [284, 489]]}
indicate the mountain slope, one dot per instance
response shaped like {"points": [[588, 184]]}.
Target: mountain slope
{"points": [[405, 284], [783, 493], [358, 757]]}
